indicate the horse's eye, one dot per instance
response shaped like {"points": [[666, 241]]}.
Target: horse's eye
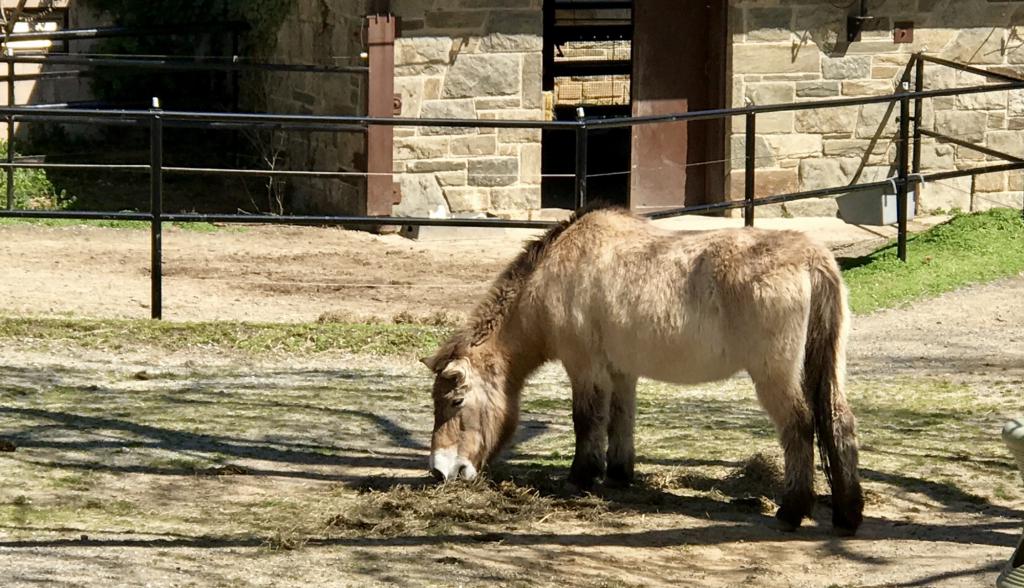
{"points": [[457, 402]]}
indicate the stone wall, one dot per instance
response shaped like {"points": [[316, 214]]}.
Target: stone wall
{"points": [[325, 32], [472, 59], [795, 50]]}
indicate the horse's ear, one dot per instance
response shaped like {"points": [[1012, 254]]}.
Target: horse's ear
{"points": [[430, 362], [457, 370]]}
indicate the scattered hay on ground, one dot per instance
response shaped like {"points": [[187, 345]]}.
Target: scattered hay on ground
{"points": [[431, 510]]}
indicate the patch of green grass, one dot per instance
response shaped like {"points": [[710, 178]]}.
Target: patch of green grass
{"points": [[372, 339], [969, 249]]}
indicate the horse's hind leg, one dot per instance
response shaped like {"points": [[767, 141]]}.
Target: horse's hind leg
{"points": [[782, 398], [621, 418], [590, 404]]}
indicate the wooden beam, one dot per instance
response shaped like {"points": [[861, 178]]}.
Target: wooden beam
{"points": [[381, 193]]}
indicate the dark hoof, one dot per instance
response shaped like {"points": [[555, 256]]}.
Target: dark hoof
{"points": [[584, 475], [619, 477], [617, 484], [786, 521], [844, 531], [578, 489], [846, 526]]}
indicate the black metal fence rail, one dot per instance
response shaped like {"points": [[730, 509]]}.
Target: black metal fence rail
{"points": [[907, 168]]}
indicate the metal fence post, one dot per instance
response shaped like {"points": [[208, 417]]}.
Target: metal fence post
{"points": [[918, 111], [11, 99], [918, 118], [156, 209], [903, 173], [581, 159], [748, 207]]}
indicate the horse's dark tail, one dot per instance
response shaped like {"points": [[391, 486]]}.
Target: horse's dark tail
{"points": [[823, 379]]}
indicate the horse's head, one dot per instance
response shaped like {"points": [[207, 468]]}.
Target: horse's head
{"points": [[472, 416]]}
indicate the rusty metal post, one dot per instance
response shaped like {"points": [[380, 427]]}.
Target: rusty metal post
{"points": [[380, 96]]}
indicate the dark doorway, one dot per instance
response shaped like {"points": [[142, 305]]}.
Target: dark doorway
{"points": [[588, 64], [679, 65]]}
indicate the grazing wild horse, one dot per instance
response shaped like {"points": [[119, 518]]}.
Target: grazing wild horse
{"points": [[614, 298]]}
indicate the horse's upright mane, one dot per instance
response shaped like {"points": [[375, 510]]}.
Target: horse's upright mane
{"points": [[491, 313]]}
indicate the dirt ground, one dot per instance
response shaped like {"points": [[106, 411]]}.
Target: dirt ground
{"points": [[215, 468]]}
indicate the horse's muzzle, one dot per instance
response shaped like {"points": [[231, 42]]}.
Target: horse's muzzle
{"points": [[446, 464]]}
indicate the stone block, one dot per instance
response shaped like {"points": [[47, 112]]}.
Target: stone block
{"points": [[767, 182], [990, 182], [770, 93], [946, 195], [819, 89], [990, 200], [421, 147], [498, 103], [885, 72], [826, 207], [854, 147], [868, 88], [772, 123], [493, 171], [418, 50], [432, 88], [421, 197], [1011, 142], [411, 90], [983, 101], [775, 59], [532, 81], [787, 149], [474, 145], [997, 121], [483, 75], [827, 121], [769, 24], [1015, 181], [965, 154], [448, 109], [452, 178], [516, 198], [519, 135], [1015, 102], [827, 173], [846, 68], [463, 199], [937, 157], [436, 165], [976, 45], [876, 121], [530, 164], [762, 151], [968, 126]]}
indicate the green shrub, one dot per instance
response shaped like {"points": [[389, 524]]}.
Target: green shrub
{"points": [[33, 190]]}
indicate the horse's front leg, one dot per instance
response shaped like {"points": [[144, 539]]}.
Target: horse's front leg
{"points": [[622, 416], [590, 405]]}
